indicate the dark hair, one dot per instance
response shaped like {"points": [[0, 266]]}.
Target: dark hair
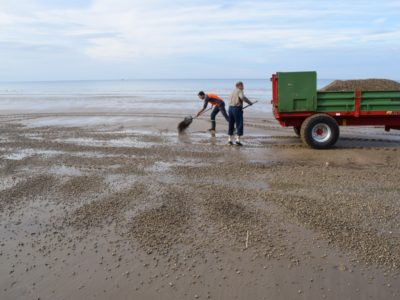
{"points": [[201, 93], [239, 83]]}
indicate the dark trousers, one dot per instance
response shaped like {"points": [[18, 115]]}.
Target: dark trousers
{"points": [[215, 112], [235, 118]]}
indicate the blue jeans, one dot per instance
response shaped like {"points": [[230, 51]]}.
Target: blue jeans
{"points": [[215, 112], [235, 118]]}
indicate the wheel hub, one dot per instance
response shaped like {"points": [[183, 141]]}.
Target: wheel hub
{"points": [[321, 132]]}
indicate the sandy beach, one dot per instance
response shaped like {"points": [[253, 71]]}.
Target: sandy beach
{"points": [[119, 206], [115, 185]]}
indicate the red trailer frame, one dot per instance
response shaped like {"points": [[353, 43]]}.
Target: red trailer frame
{"points": [[389, 119]]}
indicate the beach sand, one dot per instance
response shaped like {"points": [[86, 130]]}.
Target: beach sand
{"points": [[118, 206]]}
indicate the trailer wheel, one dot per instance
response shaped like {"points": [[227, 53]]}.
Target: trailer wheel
{"points": [[320, 131], [296, 130]]}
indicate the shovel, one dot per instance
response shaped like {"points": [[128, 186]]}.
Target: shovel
{"points": [[182, 126]]}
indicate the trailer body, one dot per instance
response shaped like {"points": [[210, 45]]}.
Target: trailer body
{"points": [[295, 98]]}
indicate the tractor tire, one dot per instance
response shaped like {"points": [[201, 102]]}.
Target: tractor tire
{"points": [[296, 130], [320, 131]]}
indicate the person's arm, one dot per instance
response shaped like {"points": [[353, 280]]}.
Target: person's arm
{"points": [[244, 98], [204, 108]]}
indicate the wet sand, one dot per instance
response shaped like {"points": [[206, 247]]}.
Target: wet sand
{"points": [[102, 206]]}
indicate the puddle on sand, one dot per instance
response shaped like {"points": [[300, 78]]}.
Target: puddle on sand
{"points": [[20, 154], [64, 170], [164, 166], [8, 182], [97, 155], [125, 142], [34, 136], [160, 166], [24, 153]]}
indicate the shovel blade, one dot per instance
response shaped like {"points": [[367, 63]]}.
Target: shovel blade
{"points": [[182, 126]]}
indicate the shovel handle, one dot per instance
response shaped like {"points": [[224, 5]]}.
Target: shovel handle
{"points": [[250, 104], [212, 108], [203, 112]]}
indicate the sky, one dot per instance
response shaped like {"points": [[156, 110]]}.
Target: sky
{"points": [[133, 39]]}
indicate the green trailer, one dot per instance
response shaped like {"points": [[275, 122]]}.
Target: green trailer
{"points": [[316, 116]]}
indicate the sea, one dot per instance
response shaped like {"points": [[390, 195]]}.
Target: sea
{"points": [[158, 95]]}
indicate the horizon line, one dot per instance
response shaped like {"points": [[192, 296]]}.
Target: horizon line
{"points": [[139, 79], [126, 79]]}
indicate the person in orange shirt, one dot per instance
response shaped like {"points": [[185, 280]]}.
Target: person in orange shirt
{"points": [[219, 106]]}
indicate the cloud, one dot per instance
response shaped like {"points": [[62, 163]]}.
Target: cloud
{"points": [[138, 29], [133, 30], [379, 21], [154, 29]]}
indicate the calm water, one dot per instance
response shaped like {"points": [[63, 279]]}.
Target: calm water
{"points": [[142, 88], [160, 95]]}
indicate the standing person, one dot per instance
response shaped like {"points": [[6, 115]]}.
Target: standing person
{"points": [[236, 100], [219, 106]]}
